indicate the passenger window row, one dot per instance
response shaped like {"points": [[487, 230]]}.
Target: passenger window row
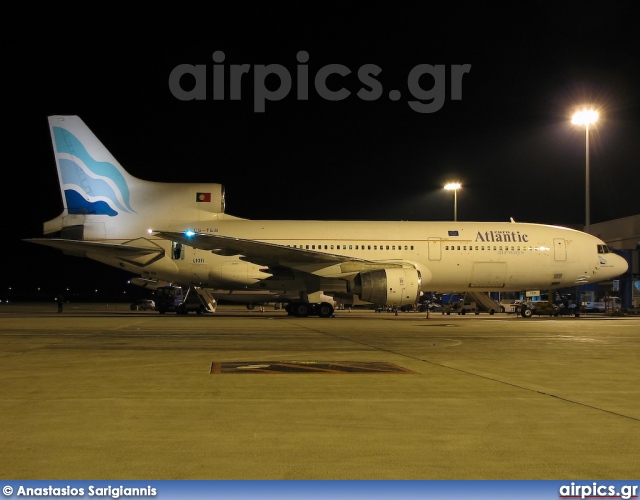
{"points": [[353, 247], [495, 247]]}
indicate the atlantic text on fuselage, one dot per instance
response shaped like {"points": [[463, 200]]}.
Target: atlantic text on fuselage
{"points": [[502, 236]]}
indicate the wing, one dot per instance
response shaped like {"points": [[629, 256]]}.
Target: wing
{"points": [[273, 255]]}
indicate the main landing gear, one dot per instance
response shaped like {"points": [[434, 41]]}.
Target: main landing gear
{"points": [[304, 309]]}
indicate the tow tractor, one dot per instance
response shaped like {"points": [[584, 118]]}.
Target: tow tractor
{"points": [[526, 309]]}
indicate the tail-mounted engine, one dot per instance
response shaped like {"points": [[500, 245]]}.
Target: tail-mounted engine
{"points": [[391, 287]]}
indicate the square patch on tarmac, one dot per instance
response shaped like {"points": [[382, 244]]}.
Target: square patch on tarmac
{"points": [[328, 367]]}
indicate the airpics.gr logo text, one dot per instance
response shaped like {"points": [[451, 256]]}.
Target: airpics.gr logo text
{"points": [[425, 100], [502, 237]]}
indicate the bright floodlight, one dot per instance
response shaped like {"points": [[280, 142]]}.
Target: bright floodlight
{"points": [[585, 117], [452, 185]]}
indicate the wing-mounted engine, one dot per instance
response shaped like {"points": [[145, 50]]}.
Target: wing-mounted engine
{"points": [[392, 287]]}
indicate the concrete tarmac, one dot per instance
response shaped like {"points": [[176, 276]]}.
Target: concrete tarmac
{"points": [[103, 392]]}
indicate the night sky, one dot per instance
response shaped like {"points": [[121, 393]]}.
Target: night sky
{"points": [[508, 140]]}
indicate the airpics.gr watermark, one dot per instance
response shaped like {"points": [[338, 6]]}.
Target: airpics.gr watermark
{"points": [[424, 100]]}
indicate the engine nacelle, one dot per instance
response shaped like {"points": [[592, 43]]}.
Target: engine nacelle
{"points": [[388, 287]]}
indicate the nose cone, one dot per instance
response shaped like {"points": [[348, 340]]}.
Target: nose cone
{"points": [[612, 265]]}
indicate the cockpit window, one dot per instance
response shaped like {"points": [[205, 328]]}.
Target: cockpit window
{"points": [[603, 249]]}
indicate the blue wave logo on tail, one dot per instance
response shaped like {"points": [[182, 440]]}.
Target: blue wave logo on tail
{"points": [[90, 186]]}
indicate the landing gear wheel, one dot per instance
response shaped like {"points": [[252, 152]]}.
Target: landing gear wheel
{"points": [[301, 309], [324, 310]]}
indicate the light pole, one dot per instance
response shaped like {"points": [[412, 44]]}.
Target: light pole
{"points": [[586, 117], [454, 186]]}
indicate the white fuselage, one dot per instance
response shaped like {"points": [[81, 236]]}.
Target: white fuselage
{"points": [[451, 256]]}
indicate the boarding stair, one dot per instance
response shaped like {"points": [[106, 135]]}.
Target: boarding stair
{"points": [[205, 297], [484, 302]]}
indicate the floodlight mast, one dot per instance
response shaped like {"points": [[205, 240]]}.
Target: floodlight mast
{"points": [[454, 186], [586, 117]]}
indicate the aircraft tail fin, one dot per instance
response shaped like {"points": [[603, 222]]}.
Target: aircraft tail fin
{"points": [[97, 191], [91, 179]]}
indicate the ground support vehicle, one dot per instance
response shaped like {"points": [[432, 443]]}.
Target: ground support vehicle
{"points": [[526, 309], [460, 308], [143, 305], [174, 299]]}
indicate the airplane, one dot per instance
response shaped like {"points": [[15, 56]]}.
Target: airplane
{"points": [[179, 233]]}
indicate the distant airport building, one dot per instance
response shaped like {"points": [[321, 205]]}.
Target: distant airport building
{"points": [[623, 236]]}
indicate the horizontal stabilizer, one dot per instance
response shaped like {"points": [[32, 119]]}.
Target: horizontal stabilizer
{"points": [[134, 253]]}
